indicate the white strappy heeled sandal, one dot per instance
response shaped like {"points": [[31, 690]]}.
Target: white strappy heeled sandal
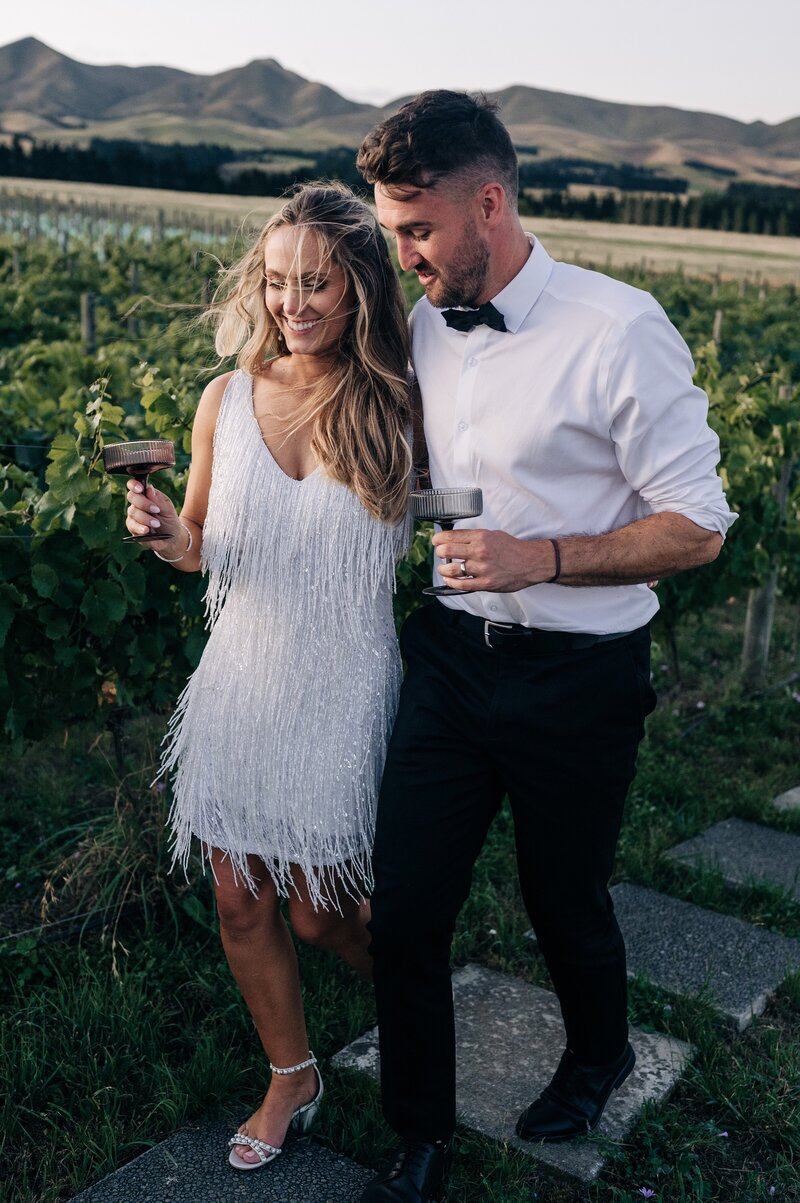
{"points": [[302, 1121]]}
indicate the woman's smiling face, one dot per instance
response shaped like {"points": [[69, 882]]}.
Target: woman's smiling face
{"points": [[305, 291]]}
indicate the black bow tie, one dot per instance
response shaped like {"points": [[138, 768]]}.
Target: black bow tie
{"points": [[467, 319]]}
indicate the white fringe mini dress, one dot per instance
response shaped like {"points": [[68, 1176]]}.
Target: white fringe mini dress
{"points": [[278, 740]]}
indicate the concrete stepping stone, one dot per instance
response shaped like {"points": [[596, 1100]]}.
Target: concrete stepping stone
{"points": [[192, 1167], [788, 801], [690, 950], [745, 853], [510, 1038]]}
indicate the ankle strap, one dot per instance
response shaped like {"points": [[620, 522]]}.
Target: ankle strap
{"points": [[293, 1069]]}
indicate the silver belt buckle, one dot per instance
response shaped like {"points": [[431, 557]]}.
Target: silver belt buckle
{"points": [[487, 622]]}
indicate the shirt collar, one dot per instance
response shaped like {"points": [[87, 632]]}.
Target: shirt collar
{"points": [[519, 296]]}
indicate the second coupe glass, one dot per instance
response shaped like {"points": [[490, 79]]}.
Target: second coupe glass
{"points": [[445, 507]]}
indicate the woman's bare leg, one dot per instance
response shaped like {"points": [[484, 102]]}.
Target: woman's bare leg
{"points": [[262, 959], [344, 933]]}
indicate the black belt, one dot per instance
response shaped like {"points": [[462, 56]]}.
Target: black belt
{"points": [[512, 637]]}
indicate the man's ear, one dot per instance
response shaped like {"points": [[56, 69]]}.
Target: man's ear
{"points": [[493, 205]]}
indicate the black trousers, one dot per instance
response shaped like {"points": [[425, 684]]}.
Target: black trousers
{"points": [[558, 732]]}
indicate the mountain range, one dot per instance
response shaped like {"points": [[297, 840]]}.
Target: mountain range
{"points": [[262, 104]]}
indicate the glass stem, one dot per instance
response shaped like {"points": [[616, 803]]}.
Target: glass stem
{"points": [[447, 526]]}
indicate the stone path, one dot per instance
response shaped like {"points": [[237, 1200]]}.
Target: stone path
{"points": [[690, 950], [788, 801], [509, 1040], [192, 1167], [745, 853], [510, 1036]]}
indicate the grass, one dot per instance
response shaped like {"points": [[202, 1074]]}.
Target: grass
{"points": [[108, 1045]]}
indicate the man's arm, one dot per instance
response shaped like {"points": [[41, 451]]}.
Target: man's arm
{"points": [[657, 422], [654, 547]]}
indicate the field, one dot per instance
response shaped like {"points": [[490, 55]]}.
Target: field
{"points": [[698, 252]]}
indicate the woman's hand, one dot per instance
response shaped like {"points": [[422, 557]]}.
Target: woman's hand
{"points": [[151, 512]]}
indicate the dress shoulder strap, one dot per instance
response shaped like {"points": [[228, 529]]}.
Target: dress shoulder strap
{"points": [[233, 410]]}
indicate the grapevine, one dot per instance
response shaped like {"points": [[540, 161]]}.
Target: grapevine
{"points": [[89, 624]]}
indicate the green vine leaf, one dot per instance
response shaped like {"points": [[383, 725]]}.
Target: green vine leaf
{"points": [[44, 580]]}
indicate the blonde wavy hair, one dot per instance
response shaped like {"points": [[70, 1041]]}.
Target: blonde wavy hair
{"points": [[360, 412]]}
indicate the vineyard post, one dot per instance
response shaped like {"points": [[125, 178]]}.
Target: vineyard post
{"points": [[133, 282], [16, 270], [761, 601], [758, 633], [716, 333], [88, 327]]}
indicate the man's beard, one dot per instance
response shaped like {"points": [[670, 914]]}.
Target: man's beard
{"points": [[466, 275]]}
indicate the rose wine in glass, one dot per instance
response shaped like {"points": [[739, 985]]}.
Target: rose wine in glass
{"points": [[445, 507], [139, 459]]}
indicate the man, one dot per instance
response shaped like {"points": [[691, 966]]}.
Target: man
{"points": [[567, 397]]}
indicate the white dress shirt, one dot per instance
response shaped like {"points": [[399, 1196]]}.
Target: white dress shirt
{"points": [[579, 419]]}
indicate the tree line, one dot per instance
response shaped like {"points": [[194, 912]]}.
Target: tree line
{"points": [[556, 174], [742, 208], [626, 193], [196, 168]]}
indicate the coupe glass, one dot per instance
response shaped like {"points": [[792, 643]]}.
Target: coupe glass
{"points": [[445, 507], [139, 459]]}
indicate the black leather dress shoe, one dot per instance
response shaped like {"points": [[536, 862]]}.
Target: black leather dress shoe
{"points": [[417, 1176], [573, 1102]]}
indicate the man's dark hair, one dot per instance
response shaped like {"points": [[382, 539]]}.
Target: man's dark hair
{"points": [[437, 135]]}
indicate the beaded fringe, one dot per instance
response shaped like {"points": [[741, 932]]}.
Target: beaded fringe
{"points": [[278, 740]]}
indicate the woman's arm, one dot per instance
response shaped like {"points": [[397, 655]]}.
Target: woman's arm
{"points": [[141, 517]]}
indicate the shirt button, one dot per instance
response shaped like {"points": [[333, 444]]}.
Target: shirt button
{"points": [[472, 362], [493, 609], [462, 426]]}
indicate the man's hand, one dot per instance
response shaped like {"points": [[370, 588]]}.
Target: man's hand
{"points": [[495, 562], [641, 553]]}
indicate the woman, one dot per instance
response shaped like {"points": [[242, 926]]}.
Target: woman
{"points": [[296, 507]]}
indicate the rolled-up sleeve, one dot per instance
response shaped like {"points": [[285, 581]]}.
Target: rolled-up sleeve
{"points": [[658, 422]]}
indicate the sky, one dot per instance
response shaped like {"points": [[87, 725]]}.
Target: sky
{"points": [[735, 57]]}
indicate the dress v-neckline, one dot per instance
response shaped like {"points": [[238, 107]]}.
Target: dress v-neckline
{"points": [[295, 480]]}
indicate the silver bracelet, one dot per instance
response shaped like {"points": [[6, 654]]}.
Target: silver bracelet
{"points": [[175, 559]]}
